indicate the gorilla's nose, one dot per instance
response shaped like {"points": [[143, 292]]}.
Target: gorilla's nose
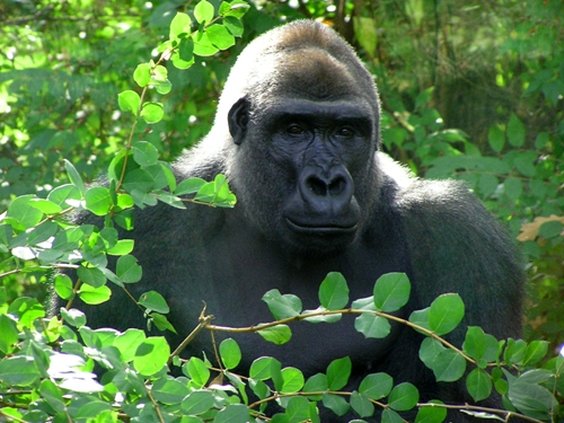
{"points": [[327, 192]]}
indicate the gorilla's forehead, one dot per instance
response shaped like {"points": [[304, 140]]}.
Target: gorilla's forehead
{"points": [[311, 73]]}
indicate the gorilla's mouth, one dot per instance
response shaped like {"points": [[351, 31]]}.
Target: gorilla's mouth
{"points": [[321, 228]]}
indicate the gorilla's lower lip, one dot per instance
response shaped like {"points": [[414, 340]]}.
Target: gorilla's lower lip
{"points": [[321, 229]]}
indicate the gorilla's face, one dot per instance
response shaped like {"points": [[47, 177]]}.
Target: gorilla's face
{"points": [[309, 159], [303, 117]]}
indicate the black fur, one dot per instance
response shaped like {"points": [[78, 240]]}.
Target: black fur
{"points": [[315, 198]]}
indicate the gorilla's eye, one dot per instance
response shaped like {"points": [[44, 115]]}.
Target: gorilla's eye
{"points": [[345, 131], [295, 129]]}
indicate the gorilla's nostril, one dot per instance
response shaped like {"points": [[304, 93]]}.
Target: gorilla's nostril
{"points": [[317, 186], [337, 186]]}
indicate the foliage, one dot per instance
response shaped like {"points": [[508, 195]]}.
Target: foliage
{"points": [[54, 106]]}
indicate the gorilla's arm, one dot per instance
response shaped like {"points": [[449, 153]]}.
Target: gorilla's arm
{"points": [[455, 245]]}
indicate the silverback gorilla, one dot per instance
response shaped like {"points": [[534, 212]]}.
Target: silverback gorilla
{"points": [[297, 134]]}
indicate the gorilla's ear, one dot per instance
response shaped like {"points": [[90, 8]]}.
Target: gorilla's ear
{"points": [[238, 118]]}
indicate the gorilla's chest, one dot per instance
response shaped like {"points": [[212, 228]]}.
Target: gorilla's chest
{"points": [[234, 272]]}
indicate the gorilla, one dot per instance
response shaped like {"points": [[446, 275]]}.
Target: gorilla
{"points": [[297, 135]]}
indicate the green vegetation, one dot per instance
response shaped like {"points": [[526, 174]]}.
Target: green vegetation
{"points": [[118, 88]]}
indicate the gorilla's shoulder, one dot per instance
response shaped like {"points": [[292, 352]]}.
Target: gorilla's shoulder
{"points": [[414, 196]]}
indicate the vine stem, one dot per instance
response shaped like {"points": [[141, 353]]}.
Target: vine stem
{"points": [[262, 326]]}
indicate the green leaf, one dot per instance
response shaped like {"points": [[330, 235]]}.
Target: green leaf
{"points": [[531, 399], [169, 391], [525, 163], [535, 352], [513, 188], [128, 342], [52, 394], [361, 404], [189, 186], [91, 276], [338, 373], [183, 57], [8, 334], [142, 75], [376, 385], [92, 295], [391, 291], [282, 306], [122, 247], [198, 402], [449, 366], [65, 195], [73, 317], [515, 131], [292, 380], [152, 112], [322, 318], [279, 334], [403, 397], [180, 25], [552, 229], [203, 46], [297, 409], [235, 8], [63, 286], [372, 326], [431, 414], [496, 138], [197, 370], [479, 384], [129, 101], [128, 270], [264, 368], [204, 11], [487, 184], [233, 25], [230, 353], [220, 37], [153, 301], [151, 355], [98, 200], [445, 314], [515, 351], [316, 383], [22, 212], [334, 291], [19, 371], [46, 206], [390, 416], [233, 413], [145, 153], [480, 346], [336, 404]]}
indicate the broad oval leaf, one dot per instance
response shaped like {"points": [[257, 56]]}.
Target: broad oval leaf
{"points": [[282, 306], [204, 11], [152, 112], [292, 380], [445, 313], [403, 397], [338, 373], [376, 385], [372, 326], [129, 101], [151, 355], [391, 291], [479, 384], [279, 334], [334, 291], [180, 24], [230, 353]]}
